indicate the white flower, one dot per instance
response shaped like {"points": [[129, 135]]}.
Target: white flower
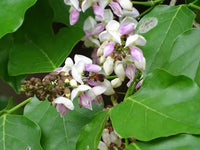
{"points": [[78, 67], [63, 104], [111, 33], [135, 40], [77, 91]]}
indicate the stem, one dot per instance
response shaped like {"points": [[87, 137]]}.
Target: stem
{"points": [[194, 6], [133, 85], [111, 77], [126, 142], [145, 12], [149, 3], [18, 106]]}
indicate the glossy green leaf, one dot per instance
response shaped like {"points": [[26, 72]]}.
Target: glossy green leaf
{"points": [[178, 142], [12, 14], [169, 22], [184, 58], [91, 134], [14, 81], [59, 133], [18, 132], [159, 108], [35, 47]]}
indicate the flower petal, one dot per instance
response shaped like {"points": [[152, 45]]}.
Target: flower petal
{"points": [[98, 28], [65, 101], [89, 23], [92, 68], [135, 40], [108, 65], [119, 70], [98, 11], [61, 109], [105, 36], [108, 49], [109, 89], [74, 16], [116, 8], [86, 4], [85, 101], [81, 88], [116, 83], [81, 58], [126, 4], [126, 28]]}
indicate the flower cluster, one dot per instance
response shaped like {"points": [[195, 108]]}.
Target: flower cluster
{"points": [[112, 35], [76, 79]]}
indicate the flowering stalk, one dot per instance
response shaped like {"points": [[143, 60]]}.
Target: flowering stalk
{"points": [[10, 111], [133, 84], [149, 3]]}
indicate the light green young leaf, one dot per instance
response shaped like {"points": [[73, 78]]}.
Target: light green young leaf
{"points": [[12, 14], [159, 108], [91, 133], [18, 132], [35, 47], [59, 133], [171, 22], [185, 55], [177, 142]]}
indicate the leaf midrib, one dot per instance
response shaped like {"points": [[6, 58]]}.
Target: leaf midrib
{"points": [[157, 50], [43, 52], [161, 114]]}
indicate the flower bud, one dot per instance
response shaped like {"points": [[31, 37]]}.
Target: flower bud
{"points": [[100, 49], [126, 28], [119, 70], [116, 83], [108, 65], [98, 11], [73, 83], [126, 4], [117, 10], [139, 59], [108, 49], [74, 16]]}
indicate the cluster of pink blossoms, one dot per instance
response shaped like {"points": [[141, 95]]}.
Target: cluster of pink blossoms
{"points": [[112, 35]]}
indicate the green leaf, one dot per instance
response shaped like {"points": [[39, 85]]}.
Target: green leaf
{"points": [[12, 14], [14, 81], [159, 108], [59, 133], [178, 142], [184, 58], [171, 21], [35, 47], [18, 132], [91, 134]]}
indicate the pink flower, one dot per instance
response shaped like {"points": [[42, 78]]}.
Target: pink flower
{"points": [[74, 16], [98, 11], [108, 49], [126, 28], [130, 73], [117, 10], [138, 57]]}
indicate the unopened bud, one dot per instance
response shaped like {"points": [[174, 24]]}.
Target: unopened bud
{"points": [[73, 83], [116, 83]]}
